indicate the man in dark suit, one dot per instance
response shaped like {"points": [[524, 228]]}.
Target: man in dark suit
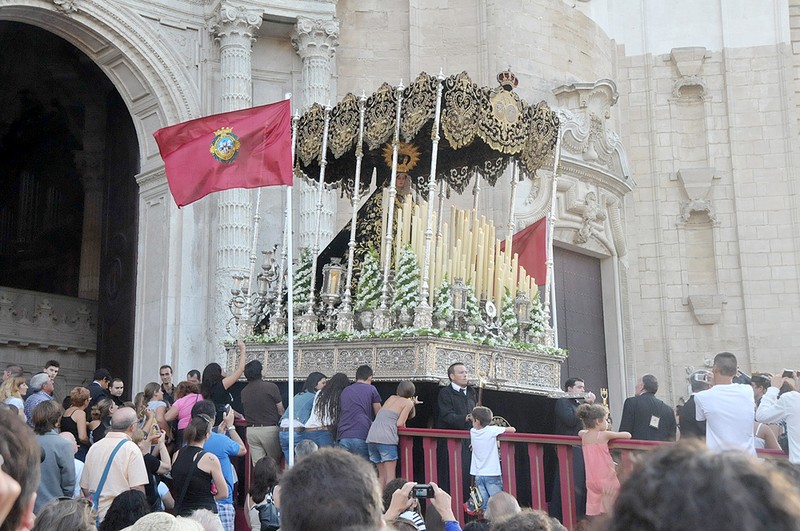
{"points": [[689, 425], [99, 387], [454, 404], [646, 417], [568, 423]]}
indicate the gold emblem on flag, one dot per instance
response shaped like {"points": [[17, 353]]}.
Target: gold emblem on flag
{"points": [[225, 145]]}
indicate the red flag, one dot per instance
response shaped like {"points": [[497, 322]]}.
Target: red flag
{"points": [[531, 245], [249, 148]]}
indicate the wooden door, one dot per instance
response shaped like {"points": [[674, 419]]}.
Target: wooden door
{"points": [[579, 307]]}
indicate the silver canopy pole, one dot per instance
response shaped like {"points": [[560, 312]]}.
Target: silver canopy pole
{"points": [[381, 314], [344, 317], [308, 323], [423, 313]]}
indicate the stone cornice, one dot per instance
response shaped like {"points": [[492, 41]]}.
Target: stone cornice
{"points": [[151, 178]]}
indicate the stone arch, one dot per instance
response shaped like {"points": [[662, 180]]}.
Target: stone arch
{"points": [[152, 83]]}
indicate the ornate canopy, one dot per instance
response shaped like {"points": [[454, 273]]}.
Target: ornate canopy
{"points": [[482, 129]]}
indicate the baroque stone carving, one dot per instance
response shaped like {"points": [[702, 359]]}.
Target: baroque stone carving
{"points": [[697, 185], [584, 122], [48, 321], [591, 214], [688, 62], [67, 7]]}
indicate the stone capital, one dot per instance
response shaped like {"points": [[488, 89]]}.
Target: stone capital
{"points": [[235, 21], [315, 38]]}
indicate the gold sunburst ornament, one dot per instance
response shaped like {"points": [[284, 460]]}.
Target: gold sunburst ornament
{"points": [[407, 156]]}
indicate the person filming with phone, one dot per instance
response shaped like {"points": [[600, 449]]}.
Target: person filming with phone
{"points": [[782, 402]]}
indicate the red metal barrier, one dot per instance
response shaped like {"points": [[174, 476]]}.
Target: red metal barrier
{"points": [[536, 443]]}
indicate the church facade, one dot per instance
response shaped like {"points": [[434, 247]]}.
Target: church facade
{"points": [[678, 217]]}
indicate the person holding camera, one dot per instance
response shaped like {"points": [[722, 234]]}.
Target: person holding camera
{"points": [[688, 425], [411, 493], [726, 408], [782, 402]]}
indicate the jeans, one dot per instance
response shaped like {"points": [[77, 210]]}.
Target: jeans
{"points": [[355, 446], [283, 437], [488, 485], [321, 437]]}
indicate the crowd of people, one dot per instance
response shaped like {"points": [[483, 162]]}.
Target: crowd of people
{"points": [[163, 461]]}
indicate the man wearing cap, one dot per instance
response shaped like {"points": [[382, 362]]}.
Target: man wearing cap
{"points": [[99, 387], [42, 390]]}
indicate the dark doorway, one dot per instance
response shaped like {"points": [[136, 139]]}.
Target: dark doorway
{"points": [[579, 308], [65, 137], [117, 300]]}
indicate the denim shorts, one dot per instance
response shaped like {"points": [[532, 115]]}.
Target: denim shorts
{"points": [[355, 446], [380, 453]]}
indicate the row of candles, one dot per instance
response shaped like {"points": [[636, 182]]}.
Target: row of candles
{"points": [[466, 248]]}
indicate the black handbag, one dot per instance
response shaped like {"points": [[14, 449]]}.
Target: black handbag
{"points": [[268, 514]]}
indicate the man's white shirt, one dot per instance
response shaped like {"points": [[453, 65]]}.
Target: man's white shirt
{"points": [[729, 412]]}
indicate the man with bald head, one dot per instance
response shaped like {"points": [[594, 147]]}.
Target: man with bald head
{"points": [[117, 452]]}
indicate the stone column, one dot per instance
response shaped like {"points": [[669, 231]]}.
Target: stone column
{"points": [[234, 29], [315, 42]]}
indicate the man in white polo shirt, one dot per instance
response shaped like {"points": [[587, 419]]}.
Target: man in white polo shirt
{"points": [[728, 409]]}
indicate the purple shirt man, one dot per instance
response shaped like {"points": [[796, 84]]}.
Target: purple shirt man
{"points": [[360, 402]]}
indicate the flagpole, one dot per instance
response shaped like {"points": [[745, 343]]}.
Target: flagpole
{"points": [[290, 297], [550, 285]]}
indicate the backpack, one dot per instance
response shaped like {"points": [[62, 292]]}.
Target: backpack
{"points": [[268, 514]]}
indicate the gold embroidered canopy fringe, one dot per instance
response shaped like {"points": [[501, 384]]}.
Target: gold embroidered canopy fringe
{"points": [[483, 129]]}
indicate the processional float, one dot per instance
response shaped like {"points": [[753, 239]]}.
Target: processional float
{"points": [[410, 287]]}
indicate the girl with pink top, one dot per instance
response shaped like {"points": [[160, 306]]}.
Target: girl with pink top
{"points": [[187, 394], [602, 484]]}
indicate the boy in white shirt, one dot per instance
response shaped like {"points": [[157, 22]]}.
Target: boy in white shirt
{"points": [[485, 464]]}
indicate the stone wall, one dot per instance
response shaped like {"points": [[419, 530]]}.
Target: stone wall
{"points": [[711, 135]]}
